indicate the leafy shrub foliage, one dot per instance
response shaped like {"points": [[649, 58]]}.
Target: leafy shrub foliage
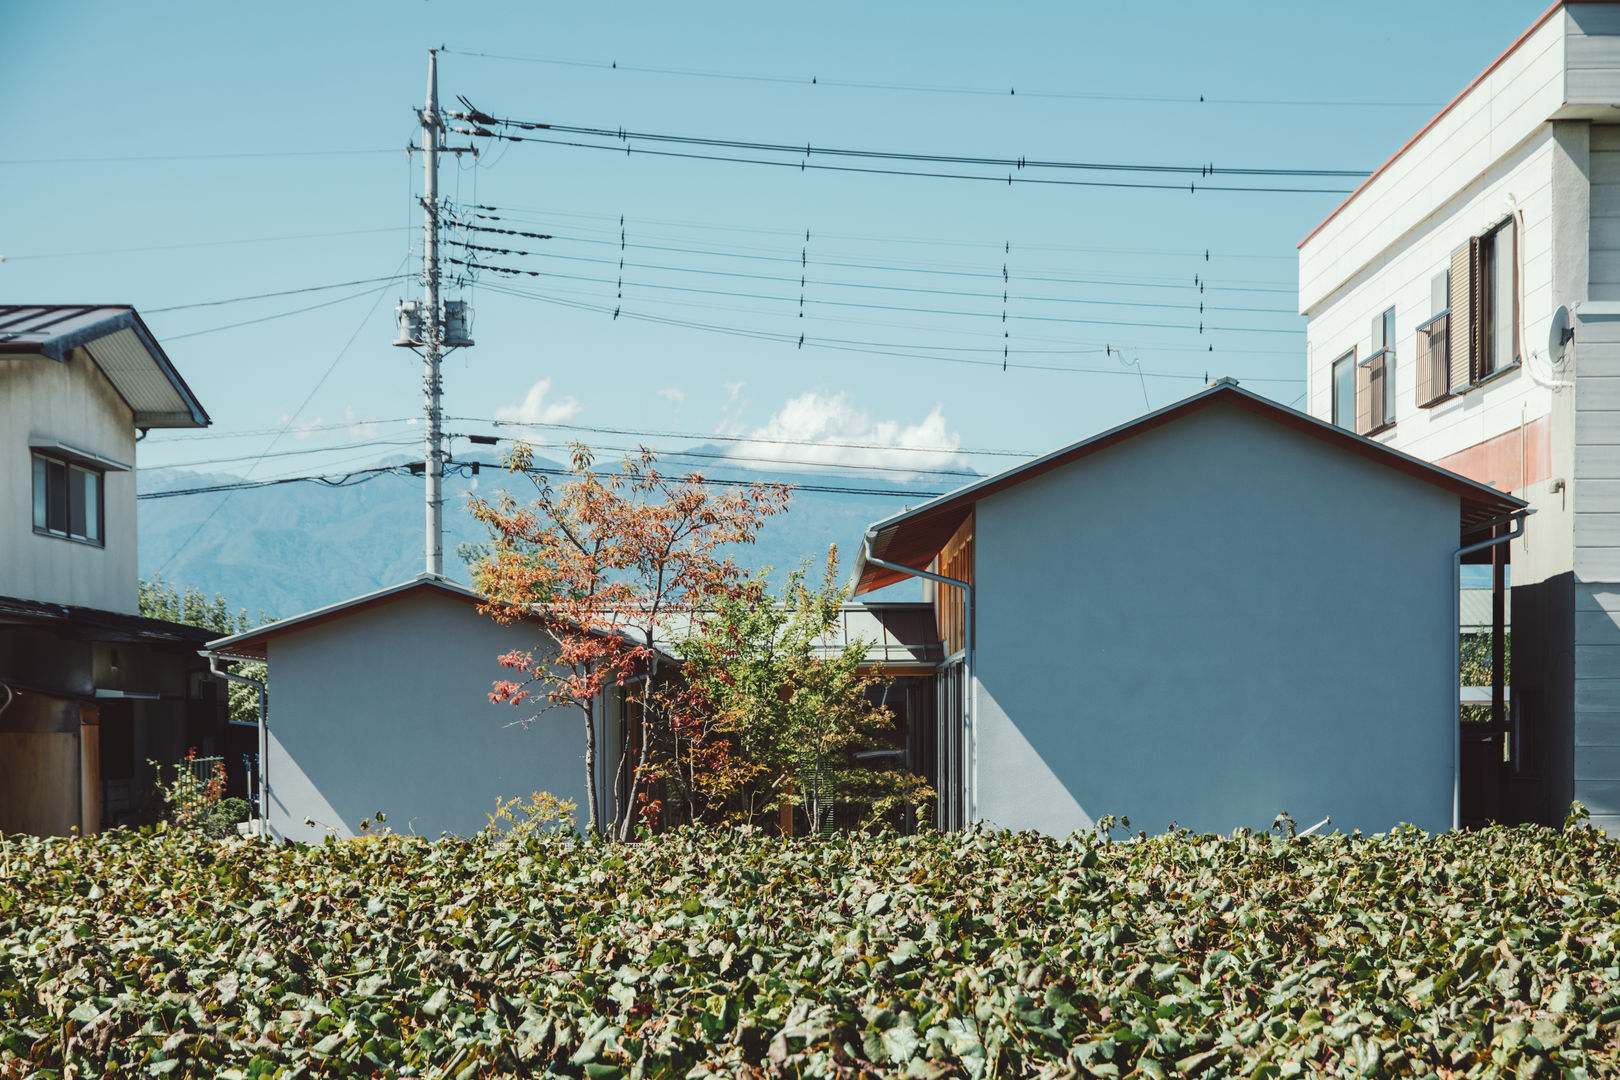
{"points": [[724, 953]]}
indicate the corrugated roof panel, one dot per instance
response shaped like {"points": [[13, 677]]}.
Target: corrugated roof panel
{"points": [[144, 385], [119, 343], [25, 325]]}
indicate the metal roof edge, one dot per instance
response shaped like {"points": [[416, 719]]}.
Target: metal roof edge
{"points": [[199, 415], [282, 626], [1541, 20], [1424, 471]]}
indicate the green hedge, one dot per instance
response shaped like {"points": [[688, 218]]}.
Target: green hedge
{"points": [[985, 954]]}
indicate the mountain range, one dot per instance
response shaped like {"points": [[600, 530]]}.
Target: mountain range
{"points": [[289, 548]]}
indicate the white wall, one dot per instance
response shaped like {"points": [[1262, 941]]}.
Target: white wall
{"points": [[388, 709], [1400, 276], [75, 403], [1210, 623]]}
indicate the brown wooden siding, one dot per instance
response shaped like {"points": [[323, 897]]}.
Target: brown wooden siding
{"points": [[955, 561]]}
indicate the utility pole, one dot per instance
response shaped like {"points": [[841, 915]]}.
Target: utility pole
{"points": [[432, 324]]}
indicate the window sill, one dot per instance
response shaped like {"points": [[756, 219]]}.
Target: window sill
{"points": [[1381, 430], [71, 539], [1499, 373], [1441, 400]]}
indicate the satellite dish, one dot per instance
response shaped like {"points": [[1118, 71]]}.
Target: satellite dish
{"points": [[1559, 335]]}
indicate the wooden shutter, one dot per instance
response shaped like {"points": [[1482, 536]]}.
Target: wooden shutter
{"points": [[1364, 399], [1463, 330], [1425, 366]]}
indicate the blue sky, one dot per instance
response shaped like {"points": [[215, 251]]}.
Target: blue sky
{"points": [[115, 115]]}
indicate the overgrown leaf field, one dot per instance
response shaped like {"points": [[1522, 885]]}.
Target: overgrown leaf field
{"points": [[1481, 954]]}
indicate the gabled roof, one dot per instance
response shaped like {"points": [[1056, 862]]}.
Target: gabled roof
{"points": [[119, 344], [914, 537], [94, 624], [253, 644]]}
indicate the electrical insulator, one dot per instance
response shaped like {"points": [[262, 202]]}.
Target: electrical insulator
{"points": [[410, 332], [457, 328]]}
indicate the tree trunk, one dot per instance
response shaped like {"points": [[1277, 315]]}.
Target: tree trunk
{"points": [[590, 766]]}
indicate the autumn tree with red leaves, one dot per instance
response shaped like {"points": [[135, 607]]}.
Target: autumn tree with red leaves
{"points": [[605, 565]]}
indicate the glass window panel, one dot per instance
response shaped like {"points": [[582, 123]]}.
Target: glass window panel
{"points": [[56, 512], [92, 506], [1389, 329], [75, 502], [1502, 299], [39, 492], [1344, 392]]}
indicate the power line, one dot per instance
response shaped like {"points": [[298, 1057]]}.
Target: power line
{"points": [[268, 295], [202, 244], [1192, 187], [762, 439], [360, 476], [848, 284], [552, 212], [562, 291], [283, 314], [189, 157], [812, 343], [302, 405], [302, 452], [189, 437], [472, 265], [881, 267], [473, 116], [1008, 91]]}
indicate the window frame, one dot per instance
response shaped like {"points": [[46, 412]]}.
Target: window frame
{"points": [[1349, 357], [1382, 362], [1439, 381], [42, 511], [1486, 364]]}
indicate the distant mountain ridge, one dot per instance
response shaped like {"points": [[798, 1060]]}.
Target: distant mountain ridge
{"points": [[290, 548]]}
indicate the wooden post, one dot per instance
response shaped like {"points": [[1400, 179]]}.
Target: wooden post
{"points": [[1499, 557], [89, 770]]}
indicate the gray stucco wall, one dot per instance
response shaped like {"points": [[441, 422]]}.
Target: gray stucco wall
{"points": [[388, 709], [1210, 623], [72, 402]]}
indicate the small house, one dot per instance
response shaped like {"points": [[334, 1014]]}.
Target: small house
{"points": [[1217, 612]]}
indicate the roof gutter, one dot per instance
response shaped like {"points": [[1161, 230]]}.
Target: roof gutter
{"points": [[970, 715], [1517, 520], [214, 659]]}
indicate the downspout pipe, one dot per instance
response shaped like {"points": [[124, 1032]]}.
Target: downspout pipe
{"points": [[214, 660], [1517, 520], [969, 688]]}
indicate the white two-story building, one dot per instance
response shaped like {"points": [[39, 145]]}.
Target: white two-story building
{"points": [[1464, 307]]}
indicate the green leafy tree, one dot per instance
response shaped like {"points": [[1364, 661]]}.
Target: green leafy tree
{"points": [[160, 599], [1474, 668], [789, 715]]}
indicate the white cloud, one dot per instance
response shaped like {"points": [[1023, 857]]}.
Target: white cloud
{"points": [[673, 393], [731, 412], [536, 408], [826, 429], [358, 428]]}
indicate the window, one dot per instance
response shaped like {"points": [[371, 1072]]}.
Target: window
{"points": [[67, 499], [1344, 390], [1484, 316], [1375, 384], [1499, 315], [1434, 345]]}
